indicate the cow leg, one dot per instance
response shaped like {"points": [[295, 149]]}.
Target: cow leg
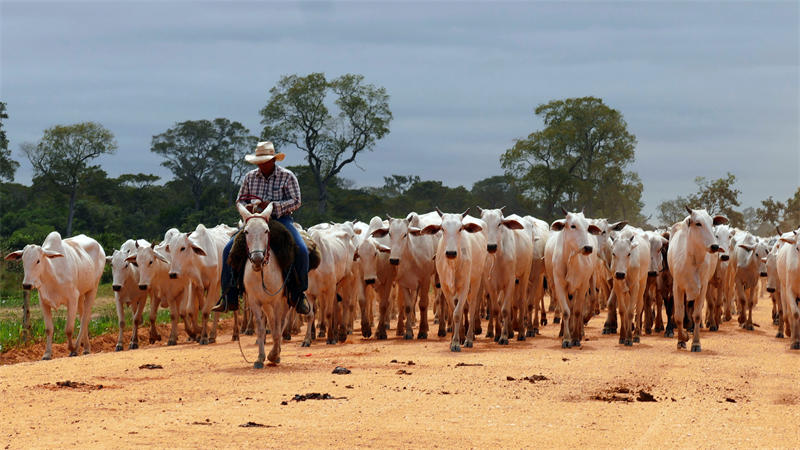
{"points": [[505, 312], [364, 303], [309, 328], [455, 342], [697, 315], [406, 297], [610, 326], [70, 326], [678, 306], [750, 302], [154, 336], [659, 322], [383, 312], [561, 298], [120, 322], [137, 321], [48, 326], [740, 301], [423, 311], [204, 328], [88, 302]]}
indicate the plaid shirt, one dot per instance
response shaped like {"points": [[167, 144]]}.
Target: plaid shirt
{"points": [[280, 188]]}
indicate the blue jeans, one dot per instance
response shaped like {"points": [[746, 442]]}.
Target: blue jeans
{"points": [[229, 289]]}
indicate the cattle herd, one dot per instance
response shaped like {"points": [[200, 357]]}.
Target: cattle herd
{"points": [[461, 268]]}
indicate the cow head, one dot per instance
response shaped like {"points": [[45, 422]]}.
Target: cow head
{"points": [[256, 232], [451, 227], [621, 251], [576, 231], [753, 251], [496, 226], [148, 259], [700, 229], [181, 249], [724, 235], [34, 261], [657, 243], [399, 231]]}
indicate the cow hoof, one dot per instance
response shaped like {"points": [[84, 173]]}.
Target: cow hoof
{"points": [[695, 347], [436, 321], [422, 335], [267, 331], [330, 341], [133, 346], [152, 340], [73, 353], [490, 334], [234, 338], [497, 338], [502, 341], [46, 358], [478, 331], [714, 328], [669, 333], [288, 337], [258, 365], [366, 333], [274, 359], [530, 333], [408, 336], [249, 332], [795, 346], [648, 332], [454, 347], [565, 344], [658, 329], [749, 327], [305, 344], [468, 344], [381, 335], [172, 342], [449, 329], [681, 344], [576, 343], [779, 335], [556, 319], [628, 343], [621, 340], [606, 331], [637, 339], [520, 337], [203, 341], [776, 321], [118, 348], [544, 322], [212, 340]]}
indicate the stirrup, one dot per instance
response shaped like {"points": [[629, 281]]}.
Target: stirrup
{"points": [[221, 306]]}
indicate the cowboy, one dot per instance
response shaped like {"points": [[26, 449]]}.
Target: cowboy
{"points": [[268, 183]]}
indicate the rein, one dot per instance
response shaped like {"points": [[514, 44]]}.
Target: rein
{"points": [[266, 261]]}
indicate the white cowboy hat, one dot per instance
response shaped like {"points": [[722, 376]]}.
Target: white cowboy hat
{"points": [[265, 151]]}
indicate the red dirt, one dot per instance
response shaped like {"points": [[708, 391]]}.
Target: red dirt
{"points": [[743, 390]]}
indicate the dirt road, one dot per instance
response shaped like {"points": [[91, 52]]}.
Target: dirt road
{"points": [[743, 390]]}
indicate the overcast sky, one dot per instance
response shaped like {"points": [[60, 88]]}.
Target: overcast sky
{"points": [[706, 88]]}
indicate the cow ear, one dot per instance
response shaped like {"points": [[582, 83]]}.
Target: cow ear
{"points": [[791, 240], [618, 226], [383, 249], [52, 254], [108, 259], [198, 250], [160, 256], [513, 224], [594, 229], [414, 231], [13, 256], [430, 229], [472, 227], [720, 220], [749, 248], [380, 232], [558, 225], [664, 241]]}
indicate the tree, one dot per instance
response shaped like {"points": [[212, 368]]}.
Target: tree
{"points": [[784, 215], [7, 165], [583, 150], [297, 114], [204, 154], [63, 155], [499, 191], [717, 196]]}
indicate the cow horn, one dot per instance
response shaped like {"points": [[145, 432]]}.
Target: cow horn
{"points": [[564, 211], [464, 214], [689, 210], [480, 210], [502, 208], [439, 211], [388, 216], [778, 229]]}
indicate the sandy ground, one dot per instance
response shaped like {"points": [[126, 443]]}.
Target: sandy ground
{"points": [[743, 390]]}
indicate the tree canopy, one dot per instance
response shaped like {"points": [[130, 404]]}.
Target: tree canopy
{"points": [[7, 165], [718, 196], [331, 121], [578, 161]]}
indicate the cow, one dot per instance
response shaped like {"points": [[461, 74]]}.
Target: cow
{"points": [[719, 287], [537, 314], [153, 266], [336, 260], [372, 255], [509, 247], [125, 283], [460, 259], [412, 253], [653, 299], [196, 258], [788, 265], [749, 267], [630, 262], [692, 259], [783, 318], [65, 272], [600, 287], [569, 264]]}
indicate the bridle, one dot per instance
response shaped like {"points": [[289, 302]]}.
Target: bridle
{"points": [[265, 261]]}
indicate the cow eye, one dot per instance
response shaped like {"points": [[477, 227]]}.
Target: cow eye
{"points": [[37, 261], [150, 263], [629, 254], [266, 231], [183, 248], [573, 226], [604, 232], [699, 224]]}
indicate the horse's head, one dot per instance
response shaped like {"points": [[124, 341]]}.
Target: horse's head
{"points": [[256, 232]]}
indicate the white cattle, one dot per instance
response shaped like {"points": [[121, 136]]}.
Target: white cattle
{"points": [[536, 314], [570, 265], [783, 319], [509, 243], [125, 283], [196, 258], [460, 259], [372, 255], [652, 295], [336, 260], [630, 261], [692, 260], [153, 268], [720, 286], [412, 253], [749, 267], [788, 266], [65, 272]]}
